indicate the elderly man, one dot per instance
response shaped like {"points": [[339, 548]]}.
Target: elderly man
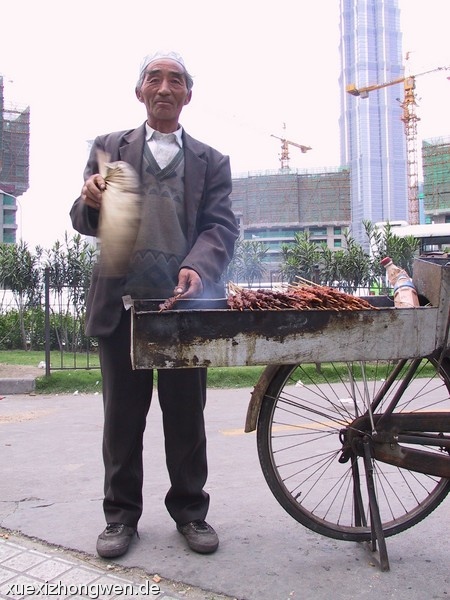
{"points": [[184, 242]]}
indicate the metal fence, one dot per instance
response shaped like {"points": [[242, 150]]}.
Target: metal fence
{"points": [[66, 345]]}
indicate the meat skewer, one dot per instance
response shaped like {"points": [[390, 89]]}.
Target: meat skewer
{"points": [[304, 297]]}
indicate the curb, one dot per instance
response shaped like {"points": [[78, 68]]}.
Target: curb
{"points": [[24, 385]]}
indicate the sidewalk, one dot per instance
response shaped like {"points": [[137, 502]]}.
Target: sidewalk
{"points": [[31, 568]]}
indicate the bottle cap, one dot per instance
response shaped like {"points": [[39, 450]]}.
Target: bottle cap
{"points": [[386, 261]]}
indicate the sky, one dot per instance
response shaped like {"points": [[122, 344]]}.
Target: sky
{"points": [[258, 66]]}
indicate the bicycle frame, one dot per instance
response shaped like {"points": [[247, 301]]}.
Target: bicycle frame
{"points": [[423, 429], [389, 431]]}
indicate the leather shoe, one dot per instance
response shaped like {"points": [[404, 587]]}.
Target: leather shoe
{"points": [[200, 536], [114, 540]]}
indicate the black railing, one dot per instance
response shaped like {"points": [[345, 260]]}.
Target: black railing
{"points": [[64, 333]]}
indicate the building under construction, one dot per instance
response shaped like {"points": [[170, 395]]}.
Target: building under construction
{"points": [[436, 180], [14, 163], [272, 207]]}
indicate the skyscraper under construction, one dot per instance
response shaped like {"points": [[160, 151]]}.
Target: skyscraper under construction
{"points": [[14, 162], [372, 133]]}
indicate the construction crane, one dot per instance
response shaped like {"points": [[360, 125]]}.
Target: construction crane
{"points": [[409, 118], [284, 156]]}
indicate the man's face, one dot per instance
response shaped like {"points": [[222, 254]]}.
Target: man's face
{"points": [[164, 93]]}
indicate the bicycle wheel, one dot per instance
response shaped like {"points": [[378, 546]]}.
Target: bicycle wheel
{"points": [[300, 432]]}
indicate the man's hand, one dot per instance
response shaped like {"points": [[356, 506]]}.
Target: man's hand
{"points": [[189, 284], [91, 193]]}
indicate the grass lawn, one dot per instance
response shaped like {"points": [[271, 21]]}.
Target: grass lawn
{"points": [[83, 374]]}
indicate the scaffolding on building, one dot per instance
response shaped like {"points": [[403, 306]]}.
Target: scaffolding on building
{"points": [[294, 199], [326, 197], [14, 146], [436, 179]]}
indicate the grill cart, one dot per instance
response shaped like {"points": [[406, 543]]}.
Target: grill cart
{"points": [[352, 411]]}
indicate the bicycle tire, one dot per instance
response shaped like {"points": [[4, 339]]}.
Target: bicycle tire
{"points": [[298, 441]]}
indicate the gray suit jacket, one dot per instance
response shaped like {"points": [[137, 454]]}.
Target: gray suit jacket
{"points": [[211, 224]]}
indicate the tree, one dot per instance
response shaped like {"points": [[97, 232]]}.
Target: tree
{"points": [[350, 267], [355, 266], [300, 259], [69, 266], [330, 265], [21, 274], [253, 254], [248, 262], [383, 242]]}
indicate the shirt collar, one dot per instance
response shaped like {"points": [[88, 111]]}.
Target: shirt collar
{"points": [[178, 134]]}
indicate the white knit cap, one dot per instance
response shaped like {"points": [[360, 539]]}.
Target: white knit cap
{"points": [[161, 54]]}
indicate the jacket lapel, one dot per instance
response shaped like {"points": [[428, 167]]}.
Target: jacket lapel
{"points": [[194, 181], [132, 149]]}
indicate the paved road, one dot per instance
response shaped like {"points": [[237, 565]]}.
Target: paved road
{"points": [[51, 492]]}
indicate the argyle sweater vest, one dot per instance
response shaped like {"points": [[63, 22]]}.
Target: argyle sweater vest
{"points": [[161, 243]]}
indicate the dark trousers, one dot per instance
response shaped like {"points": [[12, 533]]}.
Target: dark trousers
{"points": [[127, 396]]}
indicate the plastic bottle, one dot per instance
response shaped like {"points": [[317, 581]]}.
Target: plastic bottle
{"points": [[405, 294]]}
